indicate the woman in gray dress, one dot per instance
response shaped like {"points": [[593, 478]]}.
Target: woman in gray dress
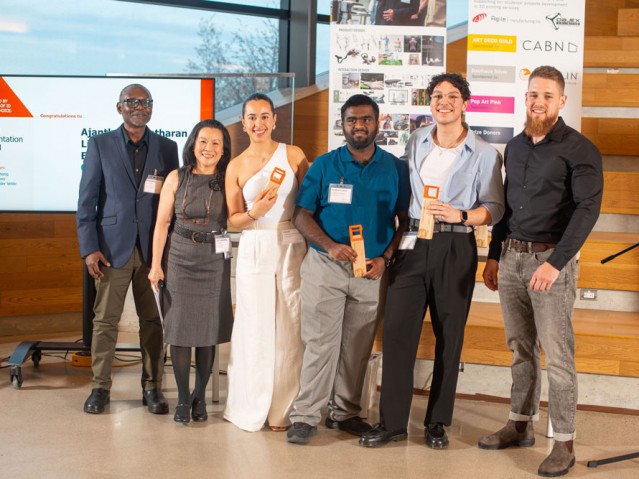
{"points": [[197, 306]]}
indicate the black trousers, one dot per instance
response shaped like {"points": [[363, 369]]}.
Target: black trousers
{"points": [[438, 274]]}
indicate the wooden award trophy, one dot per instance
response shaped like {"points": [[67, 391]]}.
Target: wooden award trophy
{"points": [[357, 243], [277, 177], [427, 221], [481, 236]]}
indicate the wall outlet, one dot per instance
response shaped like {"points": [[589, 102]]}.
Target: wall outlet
{"points": [[589, 294]]}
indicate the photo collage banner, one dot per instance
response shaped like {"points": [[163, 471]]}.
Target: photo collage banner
{"points": [[507, 40], [388, 50]]}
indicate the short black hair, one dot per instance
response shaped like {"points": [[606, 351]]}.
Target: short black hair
{"points": [[257, 97], [454, 79], [188, 156], [359, 100]]}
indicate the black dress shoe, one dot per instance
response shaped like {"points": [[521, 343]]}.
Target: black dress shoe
{"points": [[198, 410], [96, 401], [436, 436], [378, 436], [353, 425], [155, 401], [182, 413]]}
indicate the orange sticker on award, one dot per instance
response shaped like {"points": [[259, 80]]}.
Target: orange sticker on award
{"points": [[427, 221]]}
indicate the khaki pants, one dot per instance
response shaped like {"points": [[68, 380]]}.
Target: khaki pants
{"points": [[109, 302]]}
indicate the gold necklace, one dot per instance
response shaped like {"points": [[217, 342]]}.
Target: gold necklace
{"points": [[455, 143]]}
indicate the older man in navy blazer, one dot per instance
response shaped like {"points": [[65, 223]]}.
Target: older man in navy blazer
{"points": [[122, 176]]}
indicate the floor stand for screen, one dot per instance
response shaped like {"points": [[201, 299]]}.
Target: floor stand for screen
{"points": [[33, 349]]}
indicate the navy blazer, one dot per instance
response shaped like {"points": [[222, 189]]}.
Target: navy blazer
{"points": [[112, 210]]}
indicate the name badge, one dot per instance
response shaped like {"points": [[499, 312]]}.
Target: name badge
{"points": [[340, 193], [223, 245], [408, 241], [153, 184], [291, 237]]}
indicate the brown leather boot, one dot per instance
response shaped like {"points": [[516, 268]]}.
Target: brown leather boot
{"points": [[514, 433], [559, 461]]}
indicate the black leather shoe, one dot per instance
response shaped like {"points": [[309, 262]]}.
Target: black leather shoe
{"points": [[96, 401], [353, 425], [198, 410], [182, 413], [155, 401], [436, 436], [378, 436]]}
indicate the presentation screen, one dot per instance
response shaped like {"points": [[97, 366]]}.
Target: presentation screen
{"points": [[46, 123]]}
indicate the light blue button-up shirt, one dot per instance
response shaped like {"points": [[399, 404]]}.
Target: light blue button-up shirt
{"points": [[474, 181]]}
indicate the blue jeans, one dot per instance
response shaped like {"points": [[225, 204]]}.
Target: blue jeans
{"points": [[534, 318]]}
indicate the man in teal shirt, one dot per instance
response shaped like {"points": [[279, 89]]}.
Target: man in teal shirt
{"points": [[356, 184]]}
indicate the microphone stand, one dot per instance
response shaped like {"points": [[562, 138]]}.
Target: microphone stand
{"points": [[633, 455], [613, 256]]}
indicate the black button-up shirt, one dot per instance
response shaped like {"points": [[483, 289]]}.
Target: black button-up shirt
{"points": [[137, 153], [553, 192]]}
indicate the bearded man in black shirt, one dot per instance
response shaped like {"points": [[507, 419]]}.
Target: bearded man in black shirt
{"points": [[554, 185]]}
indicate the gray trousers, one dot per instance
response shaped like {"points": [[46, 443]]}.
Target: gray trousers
{"points": [[534, 318], [109, 302], [338, 324]]}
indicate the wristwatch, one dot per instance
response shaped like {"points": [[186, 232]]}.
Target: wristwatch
{"points": [[464, 216], [387, 261]]}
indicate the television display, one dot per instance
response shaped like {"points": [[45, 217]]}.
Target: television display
{"points": [[46, 123]]}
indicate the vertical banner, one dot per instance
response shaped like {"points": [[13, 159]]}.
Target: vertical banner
{"points": [[507, 40], [388, 50]]}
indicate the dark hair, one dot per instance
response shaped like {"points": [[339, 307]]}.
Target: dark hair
{"points": [[550, 73], [257, 97], [359, 100], [188, 156], [131, 86], [454, 79]]}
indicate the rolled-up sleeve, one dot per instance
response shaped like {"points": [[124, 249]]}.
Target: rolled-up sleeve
{"points": [[490, 192]]}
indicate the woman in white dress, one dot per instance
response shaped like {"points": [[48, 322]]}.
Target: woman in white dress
{"points": [[266, 349]]}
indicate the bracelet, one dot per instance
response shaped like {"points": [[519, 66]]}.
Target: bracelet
{"points": [[248, 213]]}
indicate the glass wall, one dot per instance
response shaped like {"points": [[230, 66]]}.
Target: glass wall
{"points": [[98, 37]]}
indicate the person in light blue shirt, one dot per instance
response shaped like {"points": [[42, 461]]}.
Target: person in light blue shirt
{"points": [[438, 273], [357, 184]]}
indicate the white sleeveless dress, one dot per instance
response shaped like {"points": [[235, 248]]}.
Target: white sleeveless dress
{"points": [[266, 349]]}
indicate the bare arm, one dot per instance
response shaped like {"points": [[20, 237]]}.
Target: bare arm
{"points": [[238, 216], [166, 210], [306, 224], [445, 212], [297, 160]]}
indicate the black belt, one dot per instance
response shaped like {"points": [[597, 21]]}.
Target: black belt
{"points": [[442, 227], [196, 236], [527, 246]]}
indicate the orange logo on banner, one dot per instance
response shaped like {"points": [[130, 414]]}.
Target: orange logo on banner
{"points": [[10, 104]]}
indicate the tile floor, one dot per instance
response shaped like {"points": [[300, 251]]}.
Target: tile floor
{"points": [[45, 434]]}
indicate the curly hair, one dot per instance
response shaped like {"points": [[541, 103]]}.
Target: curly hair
{"points": [[454, 79]]}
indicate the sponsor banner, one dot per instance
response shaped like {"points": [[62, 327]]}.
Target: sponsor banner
{"points": [[491, 104], [509, 39], [46, 123], [390, 57], [494, 134]]}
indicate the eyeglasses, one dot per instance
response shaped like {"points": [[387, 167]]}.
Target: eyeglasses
{"points": [[135, 102], [452, 97]]}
